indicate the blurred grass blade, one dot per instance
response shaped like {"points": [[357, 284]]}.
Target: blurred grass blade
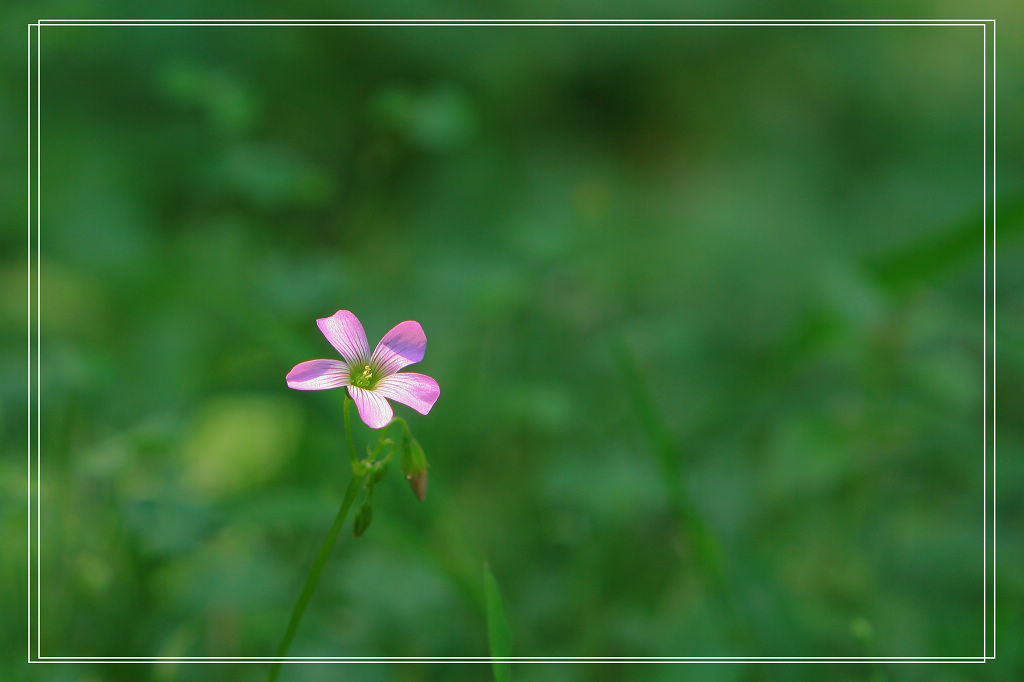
{"points": [[497, 628], [667, 448], [926, 258], [661, 439]]}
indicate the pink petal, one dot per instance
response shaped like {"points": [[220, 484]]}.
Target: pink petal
{"points": [[345, 333], [418, 391], [317, 375], [373, 407], [402, 346]]}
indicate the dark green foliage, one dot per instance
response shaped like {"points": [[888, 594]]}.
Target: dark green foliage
{"points": [[705, 307]]}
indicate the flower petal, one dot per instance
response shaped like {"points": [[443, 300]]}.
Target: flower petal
{"points": [[418, 391], [374, 409], [345, 333], [403, 345], [317, 375]]}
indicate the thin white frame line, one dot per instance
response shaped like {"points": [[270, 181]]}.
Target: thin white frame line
{"points": [[28, 334], [485, 659], [984, 338], [523, 20], [511, 24], [551, 661], [514, 23], [559, 660], [581, 22], [39, 336], [994, 335]]}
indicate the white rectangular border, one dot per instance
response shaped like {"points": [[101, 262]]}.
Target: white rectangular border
{"points": [[988, 163]]}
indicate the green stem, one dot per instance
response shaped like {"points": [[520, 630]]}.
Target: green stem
{"points": [[314, 574], [321, 559], [401, 422], [348, 431]]}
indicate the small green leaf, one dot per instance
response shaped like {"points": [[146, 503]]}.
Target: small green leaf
{"points": [[497, 628]]}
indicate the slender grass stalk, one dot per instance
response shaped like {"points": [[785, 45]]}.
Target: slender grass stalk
{"points": [[667, 449], [321, 559], [497, 628]]}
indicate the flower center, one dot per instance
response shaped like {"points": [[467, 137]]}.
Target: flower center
{"points": [[364, 378]]}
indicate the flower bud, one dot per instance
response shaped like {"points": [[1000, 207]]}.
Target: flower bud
{"points": [[414, 466], [363, 518], [418, 483]]}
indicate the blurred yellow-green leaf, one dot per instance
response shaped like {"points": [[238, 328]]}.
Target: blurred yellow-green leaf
{"points": [[238, 442]]}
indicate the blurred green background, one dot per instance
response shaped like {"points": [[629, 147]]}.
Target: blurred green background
{"points": [[705, 306]]}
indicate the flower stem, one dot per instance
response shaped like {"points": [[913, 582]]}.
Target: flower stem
{"points": [[401, 422], [321, 559], [314, 574], [348, 430]]}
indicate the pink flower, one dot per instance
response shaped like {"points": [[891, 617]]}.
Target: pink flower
{"points": [[370, 378]]}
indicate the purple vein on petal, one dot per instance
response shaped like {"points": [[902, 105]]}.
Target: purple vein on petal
{"points": [[373, 408], [317, 375], [418, 391], [402, 346], [346, 334]]}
